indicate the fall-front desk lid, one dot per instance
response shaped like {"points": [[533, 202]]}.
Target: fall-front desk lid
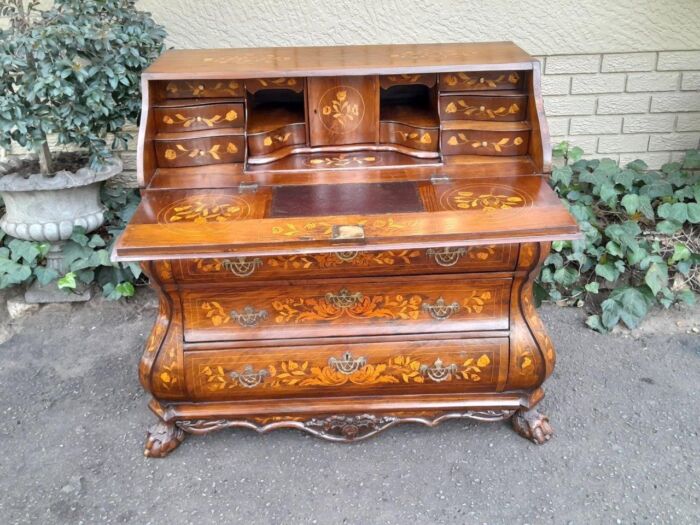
{"points": [[320, 218]]}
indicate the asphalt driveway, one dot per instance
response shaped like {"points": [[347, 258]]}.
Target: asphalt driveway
{"points": [[625, 409]]}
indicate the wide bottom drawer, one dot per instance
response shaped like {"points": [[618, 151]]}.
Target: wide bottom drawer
{"points": [[409, 367], [346, 307]]}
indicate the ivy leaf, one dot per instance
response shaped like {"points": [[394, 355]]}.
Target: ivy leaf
{"points": [[633, 305], [693, 209], [607, 271], [562, 175], [12, 272], [593, 287], [96, 242], [645, 207], [656, 277], [680, 253], [45, 275], [677, 212], [637, 165], [594, 322], [611, 313], [631, 203], [668, 227], [25, 250], [625, 178], [566, 276], [78, 236], [67, 282], [126, 289], [614, 249]]}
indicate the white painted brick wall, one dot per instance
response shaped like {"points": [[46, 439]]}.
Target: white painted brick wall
{"points": [[634, 105]]}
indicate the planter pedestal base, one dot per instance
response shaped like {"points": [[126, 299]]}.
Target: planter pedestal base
{"points": [[50, 293]]}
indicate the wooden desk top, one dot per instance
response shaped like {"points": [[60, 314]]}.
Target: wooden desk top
{"points": [[270, 62]]}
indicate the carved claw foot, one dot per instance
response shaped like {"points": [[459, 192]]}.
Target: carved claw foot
{"points": [[162, 438], [532, 425]]}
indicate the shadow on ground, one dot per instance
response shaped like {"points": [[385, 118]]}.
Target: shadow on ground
{"points": [[625, 409]]}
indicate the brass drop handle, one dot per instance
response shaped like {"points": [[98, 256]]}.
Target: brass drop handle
{"points": [[347, 364], [248, 378], [446, 256], [344, 299], [242, 266], [250, 317], [438, 372], [440, 310]]}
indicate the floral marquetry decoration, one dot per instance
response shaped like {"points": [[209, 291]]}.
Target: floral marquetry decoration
{"points": [[483, 112], [214, 152], [341, 109], [187, 121], [205, 208], [394, 370], [342, 161], [484, 197], [461, 139]]}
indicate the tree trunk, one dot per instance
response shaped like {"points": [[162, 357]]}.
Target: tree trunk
{"points": [[45, 164]]}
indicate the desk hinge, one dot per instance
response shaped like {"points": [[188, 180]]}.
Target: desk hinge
{"points": [[248, 187], [439, 178]]}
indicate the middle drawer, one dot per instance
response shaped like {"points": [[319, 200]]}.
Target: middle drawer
{"points": [[344, 307]]}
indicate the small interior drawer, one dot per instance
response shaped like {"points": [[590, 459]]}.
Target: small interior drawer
{"points": [[199, 117], [482, 142], [480, 80], [203, 88], [483, 107], [199, 150]]}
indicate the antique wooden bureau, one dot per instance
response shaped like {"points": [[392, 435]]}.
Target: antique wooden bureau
{"points": [[344, 238]]}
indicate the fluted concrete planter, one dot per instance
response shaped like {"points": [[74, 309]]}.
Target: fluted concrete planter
{"points": [[47, 209]]}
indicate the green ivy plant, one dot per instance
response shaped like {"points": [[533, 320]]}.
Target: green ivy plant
{"points": [[73, 71], [641, 244], [86, 256]]}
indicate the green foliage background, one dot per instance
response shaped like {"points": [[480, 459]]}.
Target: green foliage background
{"points": [[641, 243]]}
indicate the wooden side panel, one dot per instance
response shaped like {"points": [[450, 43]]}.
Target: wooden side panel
{"points": [[343, 307], [343, 110], [410, 367]]}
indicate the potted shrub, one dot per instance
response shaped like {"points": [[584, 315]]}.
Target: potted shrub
{"points": [[70, 73]]}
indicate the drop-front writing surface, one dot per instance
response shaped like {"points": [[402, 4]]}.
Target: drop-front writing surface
{"points": [[344, 239]]}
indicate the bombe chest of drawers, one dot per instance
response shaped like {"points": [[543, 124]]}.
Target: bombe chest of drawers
{"points": [[344, 239]]}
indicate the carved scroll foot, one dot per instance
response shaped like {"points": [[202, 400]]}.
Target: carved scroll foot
{"points": [[532, 425], [162, 438]]}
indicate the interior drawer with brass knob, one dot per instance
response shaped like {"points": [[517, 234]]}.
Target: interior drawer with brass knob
{"points": [[351, 263], [480, 80], [436, 366], [345, 307]]}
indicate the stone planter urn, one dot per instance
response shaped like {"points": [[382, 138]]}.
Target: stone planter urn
{"points": [[47, 209]]}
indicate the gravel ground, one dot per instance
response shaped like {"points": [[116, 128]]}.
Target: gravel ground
{"points": [[625, 409]]}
